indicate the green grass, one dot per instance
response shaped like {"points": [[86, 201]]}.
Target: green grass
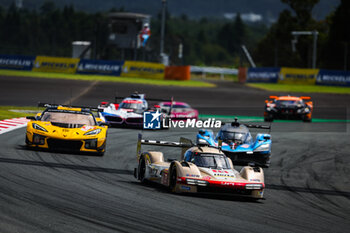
{"points": [[226, 118], [6, 113], [104, 78], [300, 88]]}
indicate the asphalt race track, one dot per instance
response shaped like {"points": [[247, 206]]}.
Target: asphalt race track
{"points": [[308, 187]]}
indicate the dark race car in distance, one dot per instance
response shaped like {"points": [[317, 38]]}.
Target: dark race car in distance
{"points": [[288, 108]]}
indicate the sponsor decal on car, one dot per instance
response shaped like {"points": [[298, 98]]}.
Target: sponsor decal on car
{"points": [[192, 175], [258, 180], [87, 128], [227, 175], [227, 183], [185, 188]]}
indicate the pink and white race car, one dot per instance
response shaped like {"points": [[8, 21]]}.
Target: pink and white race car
{"points": [[179, 110]]}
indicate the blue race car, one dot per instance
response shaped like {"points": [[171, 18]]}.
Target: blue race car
{"points": [[238, 144]]}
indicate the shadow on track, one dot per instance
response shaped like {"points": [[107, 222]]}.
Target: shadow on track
{"points": [[214, 196], [65, 166], [61, 151], [160, 187], [308, 190]]}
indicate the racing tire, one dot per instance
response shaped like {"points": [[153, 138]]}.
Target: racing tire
{"points": [[100, 154], [267, 161], [173, 179], [27, 141], [268, 119], [142, 170]]}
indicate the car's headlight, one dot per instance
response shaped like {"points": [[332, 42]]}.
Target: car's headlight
{"points": [[263, 147], [93, 132], [38, 127], [306, 110]]}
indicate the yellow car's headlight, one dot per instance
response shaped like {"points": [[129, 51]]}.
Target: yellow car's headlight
{"points": [[93, 132], [38, 127]]}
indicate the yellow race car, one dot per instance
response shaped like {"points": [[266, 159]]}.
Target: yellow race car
{"points": [[61, 127]]}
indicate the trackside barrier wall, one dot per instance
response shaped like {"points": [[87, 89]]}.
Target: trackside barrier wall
{"points": [[177, 73], [333, 78], [143, 70], [15, 62], [298, 76], [263, 75], [56, 64], [159, 71], [242, 74], [83, 66], [87, 66]]}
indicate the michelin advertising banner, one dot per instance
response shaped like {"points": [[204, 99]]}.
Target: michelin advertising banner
{"points": [[263, 75], [298, 76], [143, 70], [56, 64], [87, 66], [333, 78], [14, 62]]}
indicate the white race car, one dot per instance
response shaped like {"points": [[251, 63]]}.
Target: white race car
{"points": [[202, 168], [129, 112]]}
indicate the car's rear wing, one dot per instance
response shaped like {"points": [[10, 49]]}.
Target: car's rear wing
{"points": [[184, 143], [267, 127], [305, 97], [236, 123], [258, 126], [83, 108], [141, 97], [252, 126]]}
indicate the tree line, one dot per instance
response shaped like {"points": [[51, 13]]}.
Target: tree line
{"points": [[275, 49], [211, 42]]}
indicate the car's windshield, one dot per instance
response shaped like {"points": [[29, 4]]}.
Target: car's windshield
{"points": [[236, 137], [133, 105], [215, 161], [69, 117], [288, 102]]}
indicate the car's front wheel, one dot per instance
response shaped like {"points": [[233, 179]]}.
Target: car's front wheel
{"points": [[173, 179], [142, 170]]}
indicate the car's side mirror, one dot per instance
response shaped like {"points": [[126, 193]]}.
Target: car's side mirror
{"points": [[31, 118]]}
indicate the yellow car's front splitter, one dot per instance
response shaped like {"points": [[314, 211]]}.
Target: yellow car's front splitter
{"points": [[87, 144]]}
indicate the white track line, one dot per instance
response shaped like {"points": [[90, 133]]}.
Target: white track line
{"points": [[12, 124]]}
